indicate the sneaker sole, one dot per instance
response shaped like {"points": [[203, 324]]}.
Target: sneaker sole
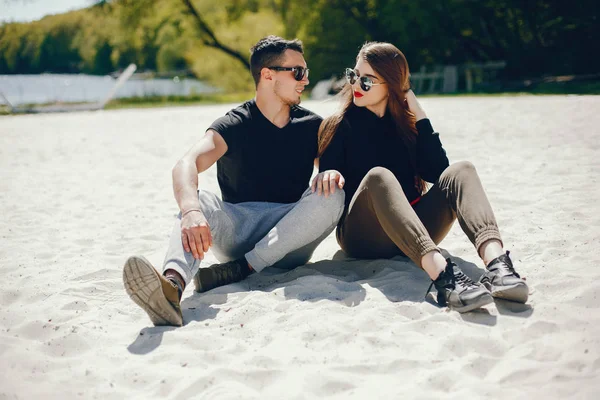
{"points": [[142, 284], [518, 293], [480, 302]]}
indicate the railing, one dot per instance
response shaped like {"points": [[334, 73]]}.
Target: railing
{"points": [[433, 79], [446, 79]]}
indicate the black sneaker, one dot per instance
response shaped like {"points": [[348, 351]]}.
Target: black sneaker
{"points": [[458, 291], [221, 274], [503, 281]]}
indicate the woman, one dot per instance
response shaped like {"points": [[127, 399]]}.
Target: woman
{"points": [[382, 148]]}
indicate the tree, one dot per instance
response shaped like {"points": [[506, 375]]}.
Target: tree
{"points": [[534, 37], [135, 10], [102, 61]]}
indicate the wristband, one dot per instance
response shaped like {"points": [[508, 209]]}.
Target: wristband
{"points": [[189, 211]]}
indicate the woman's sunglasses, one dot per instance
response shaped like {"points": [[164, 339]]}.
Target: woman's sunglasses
{"points": [[366, 83], [299, 72]]}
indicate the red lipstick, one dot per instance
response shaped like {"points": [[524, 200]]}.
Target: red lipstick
{"points": [[358, 94]]}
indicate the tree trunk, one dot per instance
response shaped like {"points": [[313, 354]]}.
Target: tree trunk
{"points": [[211, 40]]}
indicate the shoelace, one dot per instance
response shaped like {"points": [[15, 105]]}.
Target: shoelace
{"points": [[508, 264], [433, 283], [428, 289], [463, 279], [459, 277], [512, 270]]}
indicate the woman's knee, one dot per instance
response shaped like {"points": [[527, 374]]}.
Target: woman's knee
{"points": [[380, 180], [460, 169], [380, 176]]}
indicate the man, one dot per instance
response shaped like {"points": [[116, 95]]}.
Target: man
{"points": [[265, 150]]}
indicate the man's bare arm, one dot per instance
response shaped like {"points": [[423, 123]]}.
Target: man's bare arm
{"points": [[195, 231], [198, 159]]}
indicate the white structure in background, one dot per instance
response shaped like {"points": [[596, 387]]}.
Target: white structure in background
{"points": [[76, 107], [20, 90]]}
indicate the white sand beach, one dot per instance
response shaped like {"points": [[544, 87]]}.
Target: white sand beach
{"points": [[81, 192]]}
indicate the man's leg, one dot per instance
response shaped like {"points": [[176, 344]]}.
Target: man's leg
{"points": [[302, 228], [182, 262], [154, 293], [270, 234], [160, 294]]}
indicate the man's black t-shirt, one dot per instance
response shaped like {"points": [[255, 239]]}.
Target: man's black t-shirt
{"points": [[263, 162]]}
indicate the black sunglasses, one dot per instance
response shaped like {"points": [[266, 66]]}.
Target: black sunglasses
{"points": [[366, 83], [299, 72]]}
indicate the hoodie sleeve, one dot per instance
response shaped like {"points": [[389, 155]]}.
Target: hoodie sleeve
{"points": [[431, 156]]}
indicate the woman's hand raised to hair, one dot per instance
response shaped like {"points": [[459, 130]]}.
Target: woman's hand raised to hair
{"points": [[414, 106], [325, 182]]}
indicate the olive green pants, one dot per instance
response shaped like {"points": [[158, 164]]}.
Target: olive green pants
{"points": [[380, 222]]}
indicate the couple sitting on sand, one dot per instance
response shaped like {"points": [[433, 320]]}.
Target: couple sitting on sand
{"points": [[375, 158]]}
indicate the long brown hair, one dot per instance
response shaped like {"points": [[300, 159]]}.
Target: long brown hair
{"points": [[390, 63]]}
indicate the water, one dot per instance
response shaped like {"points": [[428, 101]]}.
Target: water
{"points": [[52, 88]]}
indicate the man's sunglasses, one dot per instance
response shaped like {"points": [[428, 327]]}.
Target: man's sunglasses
{"points": [[299, 72], [366, 83]]}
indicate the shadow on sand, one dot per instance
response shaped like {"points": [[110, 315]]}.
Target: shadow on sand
{"points": [[340, 280]]}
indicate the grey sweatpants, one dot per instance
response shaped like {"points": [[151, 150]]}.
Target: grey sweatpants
{"points": [[267, 234]]}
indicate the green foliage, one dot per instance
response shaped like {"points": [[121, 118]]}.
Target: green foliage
{"points": [[212, 38], [219, 69], [535, 37]]}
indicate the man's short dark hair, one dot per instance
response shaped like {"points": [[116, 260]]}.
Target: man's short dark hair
{"points": [[269, 51]]}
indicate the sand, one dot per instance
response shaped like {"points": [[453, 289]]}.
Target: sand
{"points": [[81, 192]]}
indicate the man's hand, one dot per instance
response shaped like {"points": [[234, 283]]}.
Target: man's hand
{"points": [[327, 181], [195, 233], [414, 106]]}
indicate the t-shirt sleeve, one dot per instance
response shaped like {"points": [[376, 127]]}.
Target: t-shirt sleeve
{"points": [[228, 126]]}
